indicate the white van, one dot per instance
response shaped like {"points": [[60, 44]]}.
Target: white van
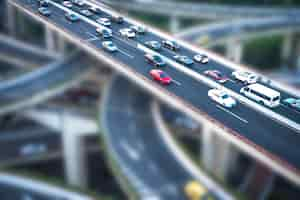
{"points": [[262, 94]]}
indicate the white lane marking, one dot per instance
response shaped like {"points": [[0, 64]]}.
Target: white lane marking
{"points": [[92, 37], [131, 152], [127, 41], [244, 100], [231, 80], [125, 53], [233, 114], [275, 116], [176, 82], [289, 108]]}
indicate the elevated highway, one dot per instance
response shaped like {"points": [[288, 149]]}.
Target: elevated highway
{"points": [[17, 187], [242, 30], [137, 146], [200, 10], [41, 84], [268, 144]]}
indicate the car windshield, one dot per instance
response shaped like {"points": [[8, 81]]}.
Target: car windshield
{"points": [[157, 58], [225, 96], [218, 73], [163, 75], [110, 44], [297, 101]]}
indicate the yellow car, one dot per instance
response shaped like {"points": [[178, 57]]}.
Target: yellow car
{"points": [[195, 191], [203, 40]]}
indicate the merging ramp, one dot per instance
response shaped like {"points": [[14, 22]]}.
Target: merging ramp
{"points": [[243, 29], [41, 84], [137, 146], [270, 135], [17, 53], [201, 10]]}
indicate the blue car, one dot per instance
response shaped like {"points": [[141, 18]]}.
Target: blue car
{"points": [[72, 17], [292, 103], [104, 32], [183, 60], [155, 45], [44, 11], [109, 46]]}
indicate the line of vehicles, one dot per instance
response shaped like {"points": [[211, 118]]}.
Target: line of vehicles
{"points": [[253, 90]]}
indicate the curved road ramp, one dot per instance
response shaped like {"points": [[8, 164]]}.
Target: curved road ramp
{"points": [[43, 83], [135, 144]]}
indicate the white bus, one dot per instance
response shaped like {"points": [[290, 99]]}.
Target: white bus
{"points": [[262, 94]]}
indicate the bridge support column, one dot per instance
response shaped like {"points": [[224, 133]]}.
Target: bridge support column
{"points": [[260, 183], [207, 146], [225, 156], [74, 154], [234, 50], [49, 39], [218, 155], [174, 24], [61, 44], [291, 51], [11, 19]]}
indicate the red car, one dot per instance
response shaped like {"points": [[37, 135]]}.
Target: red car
{"points": [[160, 76], [216, 75]]}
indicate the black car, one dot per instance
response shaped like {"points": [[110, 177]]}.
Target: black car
{"points": [[171, 45], [86, 13], [155, 60], [44, 3], [44, 11], [117, 19], [95, 10]]}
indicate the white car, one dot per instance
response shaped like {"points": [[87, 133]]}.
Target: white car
{"points": [[67, 4], [222, 98], [104, 21], [201, 58], [31, 149], [109, 46], [138, 29], [245, 77], [127, 32], [78, 2]]}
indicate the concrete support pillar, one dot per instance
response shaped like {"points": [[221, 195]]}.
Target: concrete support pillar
{"points": [[260, 184], [234, 50], [218, 155], [286, 49], [174, 24], [207, 146], [11, 19], [74, 155], [61, 44], [225, 156], [49, 39], [291, 51]]}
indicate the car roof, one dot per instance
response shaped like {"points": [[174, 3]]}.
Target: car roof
{"points": [[264, 89]]}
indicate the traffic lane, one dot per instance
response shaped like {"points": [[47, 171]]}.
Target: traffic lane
{"points": [[139, 65], [270, 135], [139, 162], [29, 146], [213, 65], [287, 112], [16, 192], [135, 138]]}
